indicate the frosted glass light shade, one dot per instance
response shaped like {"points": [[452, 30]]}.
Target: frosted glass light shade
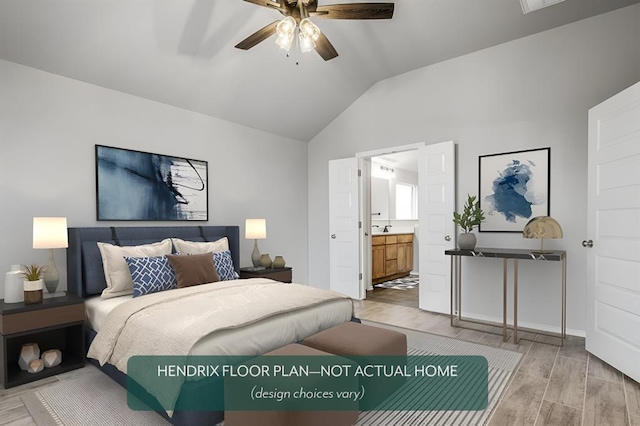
{"points": [[309, 33], [50, 232], [256, 229], [285, 30]]}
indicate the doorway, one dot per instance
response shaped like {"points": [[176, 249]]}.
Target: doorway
{"points": [[394, 206], [350, 228]]}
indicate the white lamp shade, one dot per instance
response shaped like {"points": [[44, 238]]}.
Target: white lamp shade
{"points": [[255, 229], [50, 232]]}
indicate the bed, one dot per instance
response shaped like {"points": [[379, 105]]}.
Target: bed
{"points": [[260, 330]]}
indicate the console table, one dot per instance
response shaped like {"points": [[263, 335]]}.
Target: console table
{"points": [[506, 254]]}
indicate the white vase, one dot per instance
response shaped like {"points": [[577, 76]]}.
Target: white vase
{"points": [[467, 241], [13, 288]]}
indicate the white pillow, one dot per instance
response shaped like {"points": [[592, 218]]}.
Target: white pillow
{"points": [[194, 247], [116, 271]]}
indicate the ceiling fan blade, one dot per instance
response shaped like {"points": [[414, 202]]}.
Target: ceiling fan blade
{"points": [[276, 4], [324, 47], [355, 11], [257, 37]]}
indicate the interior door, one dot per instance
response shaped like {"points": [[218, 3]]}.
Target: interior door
{"points": [[613, 286], [344, 243], [436, 170]]}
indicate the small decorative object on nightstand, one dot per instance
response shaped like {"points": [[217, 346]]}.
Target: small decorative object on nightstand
{"points": [[278, 262], [28, 353], [51, 358], [56, 323], [284, 275], [13, 286], [265, 261], [33, 283], [36, 366]]}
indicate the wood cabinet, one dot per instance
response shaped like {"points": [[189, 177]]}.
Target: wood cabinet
{"points": [[377, 259], [392, 256]]}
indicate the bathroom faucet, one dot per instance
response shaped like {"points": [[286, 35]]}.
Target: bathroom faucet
{"points": [[386, 228]]}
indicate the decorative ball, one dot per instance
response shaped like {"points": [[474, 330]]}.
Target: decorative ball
{"points": [[51, 358], [28, 353], [36, 366]]}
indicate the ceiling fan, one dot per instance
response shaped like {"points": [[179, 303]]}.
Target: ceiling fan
{"points": [[297, 13]]}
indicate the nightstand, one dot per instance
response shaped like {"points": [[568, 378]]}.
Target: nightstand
{"points": [[280, 274], [56, 323]]}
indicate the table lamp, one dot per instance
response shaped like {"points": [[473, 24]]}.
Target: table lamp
{"points": [[256, 229], [50, 233], [541, 228]]}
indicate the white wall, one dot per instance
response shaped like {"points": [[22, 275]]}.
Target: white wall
{"points": [[529, 93], [50, 124]]}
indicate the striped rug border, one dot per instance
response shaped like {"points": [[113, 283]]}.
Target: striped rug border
{"points": [[502, 365]]}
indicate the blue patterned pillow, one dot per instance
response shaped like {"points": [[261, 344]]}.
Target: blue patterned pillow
{"points": [[224, 266], [151, 274]]}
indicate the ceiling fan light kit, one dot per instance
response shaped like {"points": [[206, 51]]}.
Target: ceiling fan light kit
{"points": [[297, 13], [285, 31], [308, 35]]}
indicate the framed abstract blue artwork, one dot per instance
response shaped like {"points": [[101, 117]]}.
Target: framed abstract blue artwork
{"points": [[136, 185], [514, 187]]}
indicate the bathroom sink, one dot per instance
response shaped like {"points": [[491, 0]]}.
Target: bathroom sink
{"points": [[392, 231]]}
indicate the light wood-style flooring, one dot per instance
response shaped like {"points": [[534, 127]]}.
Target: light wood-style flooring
{"points": [[552, 386], [407, 298]]}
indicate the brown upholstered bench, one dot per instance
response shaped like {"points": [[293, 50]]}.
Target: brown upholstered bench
{"points": [[292, 418], [352, 338], [366, 343]]}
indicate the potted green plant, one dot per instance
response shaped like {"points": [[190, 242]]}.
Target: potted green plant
{"points": [[471, 217], [33, 283]]}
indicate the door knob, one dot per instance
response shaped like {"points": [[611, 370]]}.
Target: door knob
{"points": [[588, 243], [447, 238], [333, 236]]}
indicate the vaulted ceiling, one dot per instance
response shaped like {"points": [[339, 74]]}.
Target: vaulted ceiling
{"points": [[181, 52]]}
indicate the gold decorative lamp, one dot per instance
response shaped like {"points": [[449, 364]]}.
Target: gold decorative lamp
{"points": [[541, 228]]}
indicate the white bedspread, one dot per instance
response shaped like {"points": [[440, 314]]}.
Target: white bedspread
{"points": [[173, 322]]}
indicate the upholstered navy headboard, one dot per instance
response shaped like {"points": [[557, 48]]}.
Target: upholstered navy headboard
{"points": [[85, 275]]}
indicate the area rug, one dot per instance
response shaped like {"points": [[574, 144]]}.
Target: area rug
{"points": [[502, 365], [406, 283], [93, 399]]}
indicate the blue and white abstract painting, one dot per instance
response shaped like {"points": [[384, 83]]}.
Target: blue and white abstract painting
{"points": [[134, 185], [514, 187]]}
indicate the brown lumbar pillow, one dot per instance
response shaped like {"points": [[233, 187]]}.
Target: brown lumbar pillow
{"points": [[193, 269]]}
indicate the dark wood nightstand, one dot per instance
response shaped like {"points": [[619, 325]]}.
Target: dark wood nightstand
{"points": [[56, 323], [281, 274]]}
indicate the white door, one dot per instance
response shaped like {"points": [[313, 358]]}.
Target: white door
{"points": [[436, 169], [365, 230], [344, 244], [613, 286]]}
